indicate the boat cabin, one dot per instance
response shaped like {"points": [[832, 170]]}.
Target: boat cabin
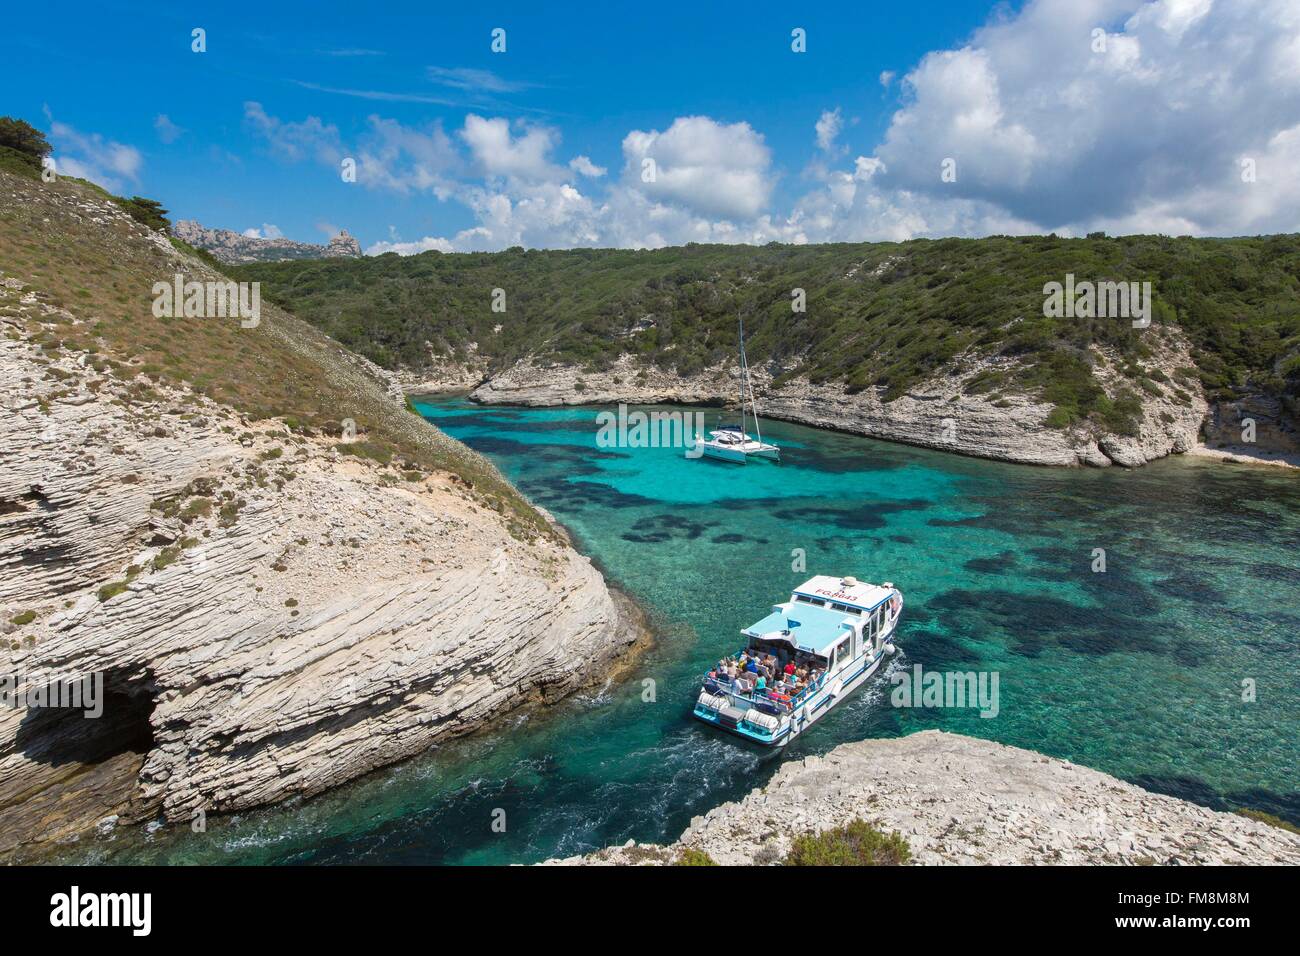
{"points": [[830, 620]]}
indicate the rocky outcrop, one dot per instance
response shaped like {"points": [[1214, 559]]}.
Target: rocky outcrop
{"points": [[236, 249], [343, 246], [1254, 425], [958, 800], [939, 414], [269, 616]]}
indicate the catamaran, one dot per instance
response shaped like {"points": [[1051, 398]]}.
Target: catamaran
{"points": [[802, 660], [731, 442]]}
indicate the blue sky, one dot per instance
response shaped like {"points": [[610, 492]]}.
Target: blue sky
{"points": [[543, 145]]}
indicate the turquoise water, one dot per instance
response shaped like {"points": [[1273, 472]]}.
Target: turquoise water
{"points": [[1137, 671]]}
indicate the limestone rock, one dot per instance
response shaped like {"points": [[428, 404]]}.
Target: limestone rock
{"points": [[959, 800]]}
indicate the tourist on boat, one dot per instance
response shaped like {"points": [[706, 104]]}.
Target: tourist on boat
{"points": [[790, 668], [760, 685]]}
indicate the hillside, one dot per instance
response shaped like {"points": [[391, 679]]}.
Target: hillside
{"points": [[888, 318], [274, 606]]}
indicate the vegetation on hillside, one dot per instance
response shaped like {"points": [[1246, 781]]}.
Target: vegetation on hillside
{"points": [[878, 314], [103, 274], [23, 147]]}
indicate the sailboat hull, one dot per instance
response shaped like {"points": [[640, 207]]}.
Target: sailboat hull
{"points": [[723, 454]]}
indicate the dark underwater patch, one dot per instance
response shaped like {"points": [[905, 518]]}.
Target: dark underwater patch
{"points": [[837, 462], [997, 564], [980, 521], [732, 538], [556, 494], [935, 650], [1195, 790], [1035, 620], [866, 516], [1189, 586], [657, 529], [1277, 572]]}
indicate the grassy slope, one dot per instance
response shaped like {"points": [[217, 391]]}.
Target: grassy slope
{"points": [[103, 273], [879, 314]]}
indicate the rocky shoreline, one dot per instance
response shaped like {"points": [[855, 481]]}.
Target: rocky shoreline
{"points": [[960, 800], [939, 414]]}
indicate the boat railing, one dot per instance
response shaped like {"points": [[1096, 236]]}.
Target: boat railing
{"points": [[727, 686]]}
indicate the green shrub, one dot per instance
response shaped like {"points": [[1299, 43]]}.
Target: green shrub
{"points": [[692, 857], [112, 590], [854, 844]]}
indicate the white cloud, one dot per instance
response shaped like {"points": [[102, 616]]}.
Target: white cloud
{"points": [[410, 248], [268, 231], [167, 131], [471, 80], [498, 152], [311, 138], [1146, 135], [584, 166], [1046, 135], [828, 127], [89, 156], [710, 168]]}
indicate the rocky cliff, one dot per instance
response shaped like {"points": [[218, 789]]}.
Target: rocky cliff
{"points": [[273, 609], [941, 413], [234, 248], [958, 800]]}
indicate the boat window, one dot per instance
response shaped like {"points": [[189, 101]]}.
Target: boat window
{"points": [[842, 652], [843, 608], [808, 600]]}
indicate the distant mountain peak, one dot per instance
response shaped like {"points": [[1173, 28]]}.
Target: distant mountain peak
{"points": [[237, 249]]}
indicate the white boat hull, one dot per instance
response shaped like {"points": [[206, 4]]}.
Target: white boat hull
{"points": [[736, 452]]}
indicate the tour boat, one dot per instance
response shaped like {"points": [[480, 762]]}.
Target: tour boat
{"points": [[731, 442], [834, 631]]}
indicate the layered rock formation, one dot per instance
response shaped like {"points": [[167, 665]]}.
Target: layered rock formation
{"points": [[940, 414], [1253, 427], [958, 800], [270, 615], [236, 249]]}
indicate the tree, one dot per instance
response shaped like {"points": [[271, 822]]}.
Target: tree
{"points": [[147, 211], [24, 139]]}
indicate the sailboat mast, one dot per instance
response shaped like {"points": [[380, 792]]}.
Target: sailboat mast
{"points": [[742, 374], [746, 384]]}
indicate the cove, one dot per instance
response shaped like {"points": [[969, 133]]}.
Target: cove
{"points": [[1139, 671]]}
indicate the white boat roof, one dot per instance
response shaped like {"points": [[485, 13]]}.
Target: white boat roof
{"points": [[818, 627], [861, 594]]}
